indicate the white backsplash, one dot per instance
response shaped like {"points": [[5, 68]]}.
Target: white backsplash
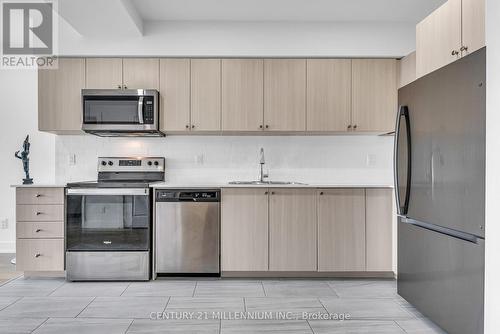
{"points": [[213, 159]]}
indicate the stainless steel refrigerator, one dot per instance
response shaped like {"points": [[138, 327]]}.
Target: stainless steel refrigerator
{"points": [[440, 188]]}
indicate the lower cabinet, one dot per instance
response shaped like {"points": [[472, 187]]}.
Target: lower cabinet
{"points": [[40, 229], [306, 230], [292, 230], [244, 230], [341, 230]]}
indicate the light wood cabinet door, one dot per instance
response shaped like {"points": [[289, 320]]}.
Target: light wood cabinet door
{"points": [[103, 73], [473, 25], [205, 94], [285, 94], [292, 230], [33, 195], [407, 69], [439, 37], [379, 222], [242, 94], [141, 73], [328, 94], [374, 95], [59, 96], [34, 212], [175, 94], [341, 230], [244, 221]]}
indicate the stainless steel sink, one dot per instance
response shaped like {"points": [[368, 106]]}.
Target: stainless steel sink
{"points": [[266, 182]]}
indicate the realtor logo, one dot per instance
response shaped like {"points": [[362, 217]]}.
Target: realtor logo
{"points": [[28, 30]]}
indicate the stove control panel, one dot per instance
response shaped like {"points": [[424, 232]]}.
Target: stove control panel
{"points": [[131, 164]]}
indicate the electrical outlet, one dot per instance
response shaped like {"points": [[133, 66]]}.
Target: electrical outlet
{"points": [[72, 159], [4, 224], [371, 160]]}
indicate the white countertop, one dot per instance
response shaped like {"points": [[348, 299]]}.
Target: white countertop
{"points": [[39, 185], [167, 185]]}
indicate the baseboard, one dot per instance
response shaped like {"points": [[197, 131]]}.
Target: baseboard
{"points": [[44, 274], [309, 274]]}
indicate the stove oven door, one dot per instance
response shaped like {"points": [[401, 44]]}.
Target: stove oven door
{"points": [[106, 219]]}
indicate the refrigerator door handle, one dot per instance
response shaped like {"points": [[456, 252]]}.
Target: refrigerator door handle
{"points": [[443, 230], [402, 113]]}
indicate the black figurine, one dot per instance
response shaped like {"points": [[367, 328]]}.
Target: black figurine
{"points": [[26, 161]]}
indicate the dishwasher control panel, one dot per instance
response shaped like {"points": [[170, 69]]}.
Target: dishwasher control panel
{"points": [[187, 195]]}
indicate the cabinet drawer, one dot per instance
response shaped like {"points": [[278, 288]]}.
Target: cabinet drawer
{"points": [[35, 213], [40, 196], [38, 230], [40, 254]]}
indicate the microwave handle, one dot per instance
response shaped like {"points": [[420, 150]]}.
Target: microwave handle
{"points": [[140, 107]]}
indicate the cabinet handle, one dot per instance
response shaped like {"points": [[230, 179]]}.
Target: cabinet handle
{"points": [[187, 126], [464, 48], [38, 230], [38, 255], [266, 193], [38, 195], [267, 126], [192, 126], [355, 126], [261, 126], [124, 87], [454, 53], [272, 192], [349, 126], [38, 213], [321, 193], [119, 86]]}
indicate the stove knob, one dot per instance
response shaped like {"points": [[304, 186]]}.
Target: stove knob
{"points": [[110, 163], [103, 163], [149, 163], [156, 163]]}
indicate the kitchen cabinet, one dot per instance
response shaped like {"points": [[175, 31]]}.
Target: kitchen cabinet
{"points": [[104, 73], [175, 94], [473, 26], [374, 95], [242, 94], [292, 230], [328, 94], [205, 94], [244, 229], [379, 224], [407, 69], [454, 30], [40, 229], [59, 96], [341, 230], [141, 73], [438, 38], [285, 94]]}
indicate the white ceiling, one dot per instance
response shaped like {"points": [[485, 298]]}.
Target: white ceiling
{"points": [[285, 10]]}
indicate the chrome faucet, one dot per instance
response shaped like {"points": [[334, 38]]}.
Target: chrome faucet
{"points": [[262, 162]]}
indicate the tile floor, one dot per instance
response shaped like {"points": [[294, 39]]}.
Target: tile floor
{"points": [[288, 306]]}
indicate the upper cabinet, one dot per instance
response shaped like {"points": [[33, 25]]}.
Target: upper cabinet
{"points": [[175, 94], [104, 73], [122, 73], [205, 94], [452, 31], [59, 96], [328, 94], [406, 70], [374, 95], [285, 94], [242, 94]]}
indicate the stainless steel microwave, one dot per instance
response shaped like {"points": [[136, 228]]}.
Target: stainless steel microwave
{"points": [[121, 112]]}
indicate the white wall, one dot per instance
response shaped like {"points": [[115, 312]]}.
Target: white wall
{"points": [[18, 110], [492, 273], [216, 159]]}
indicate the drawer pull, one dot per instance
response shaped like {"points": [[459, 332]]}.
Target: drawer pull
{"points": [[38, 230], [38, 213], [38, 195], [38, 255]]}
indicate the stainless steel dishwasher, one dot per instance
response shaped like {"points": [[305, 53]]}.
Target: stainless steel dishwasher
{"points": [[187, 232]]}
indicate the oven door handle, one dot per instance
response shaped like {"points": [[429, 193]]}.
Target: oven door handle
{"points": [[108, 191], [140, 108]]}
